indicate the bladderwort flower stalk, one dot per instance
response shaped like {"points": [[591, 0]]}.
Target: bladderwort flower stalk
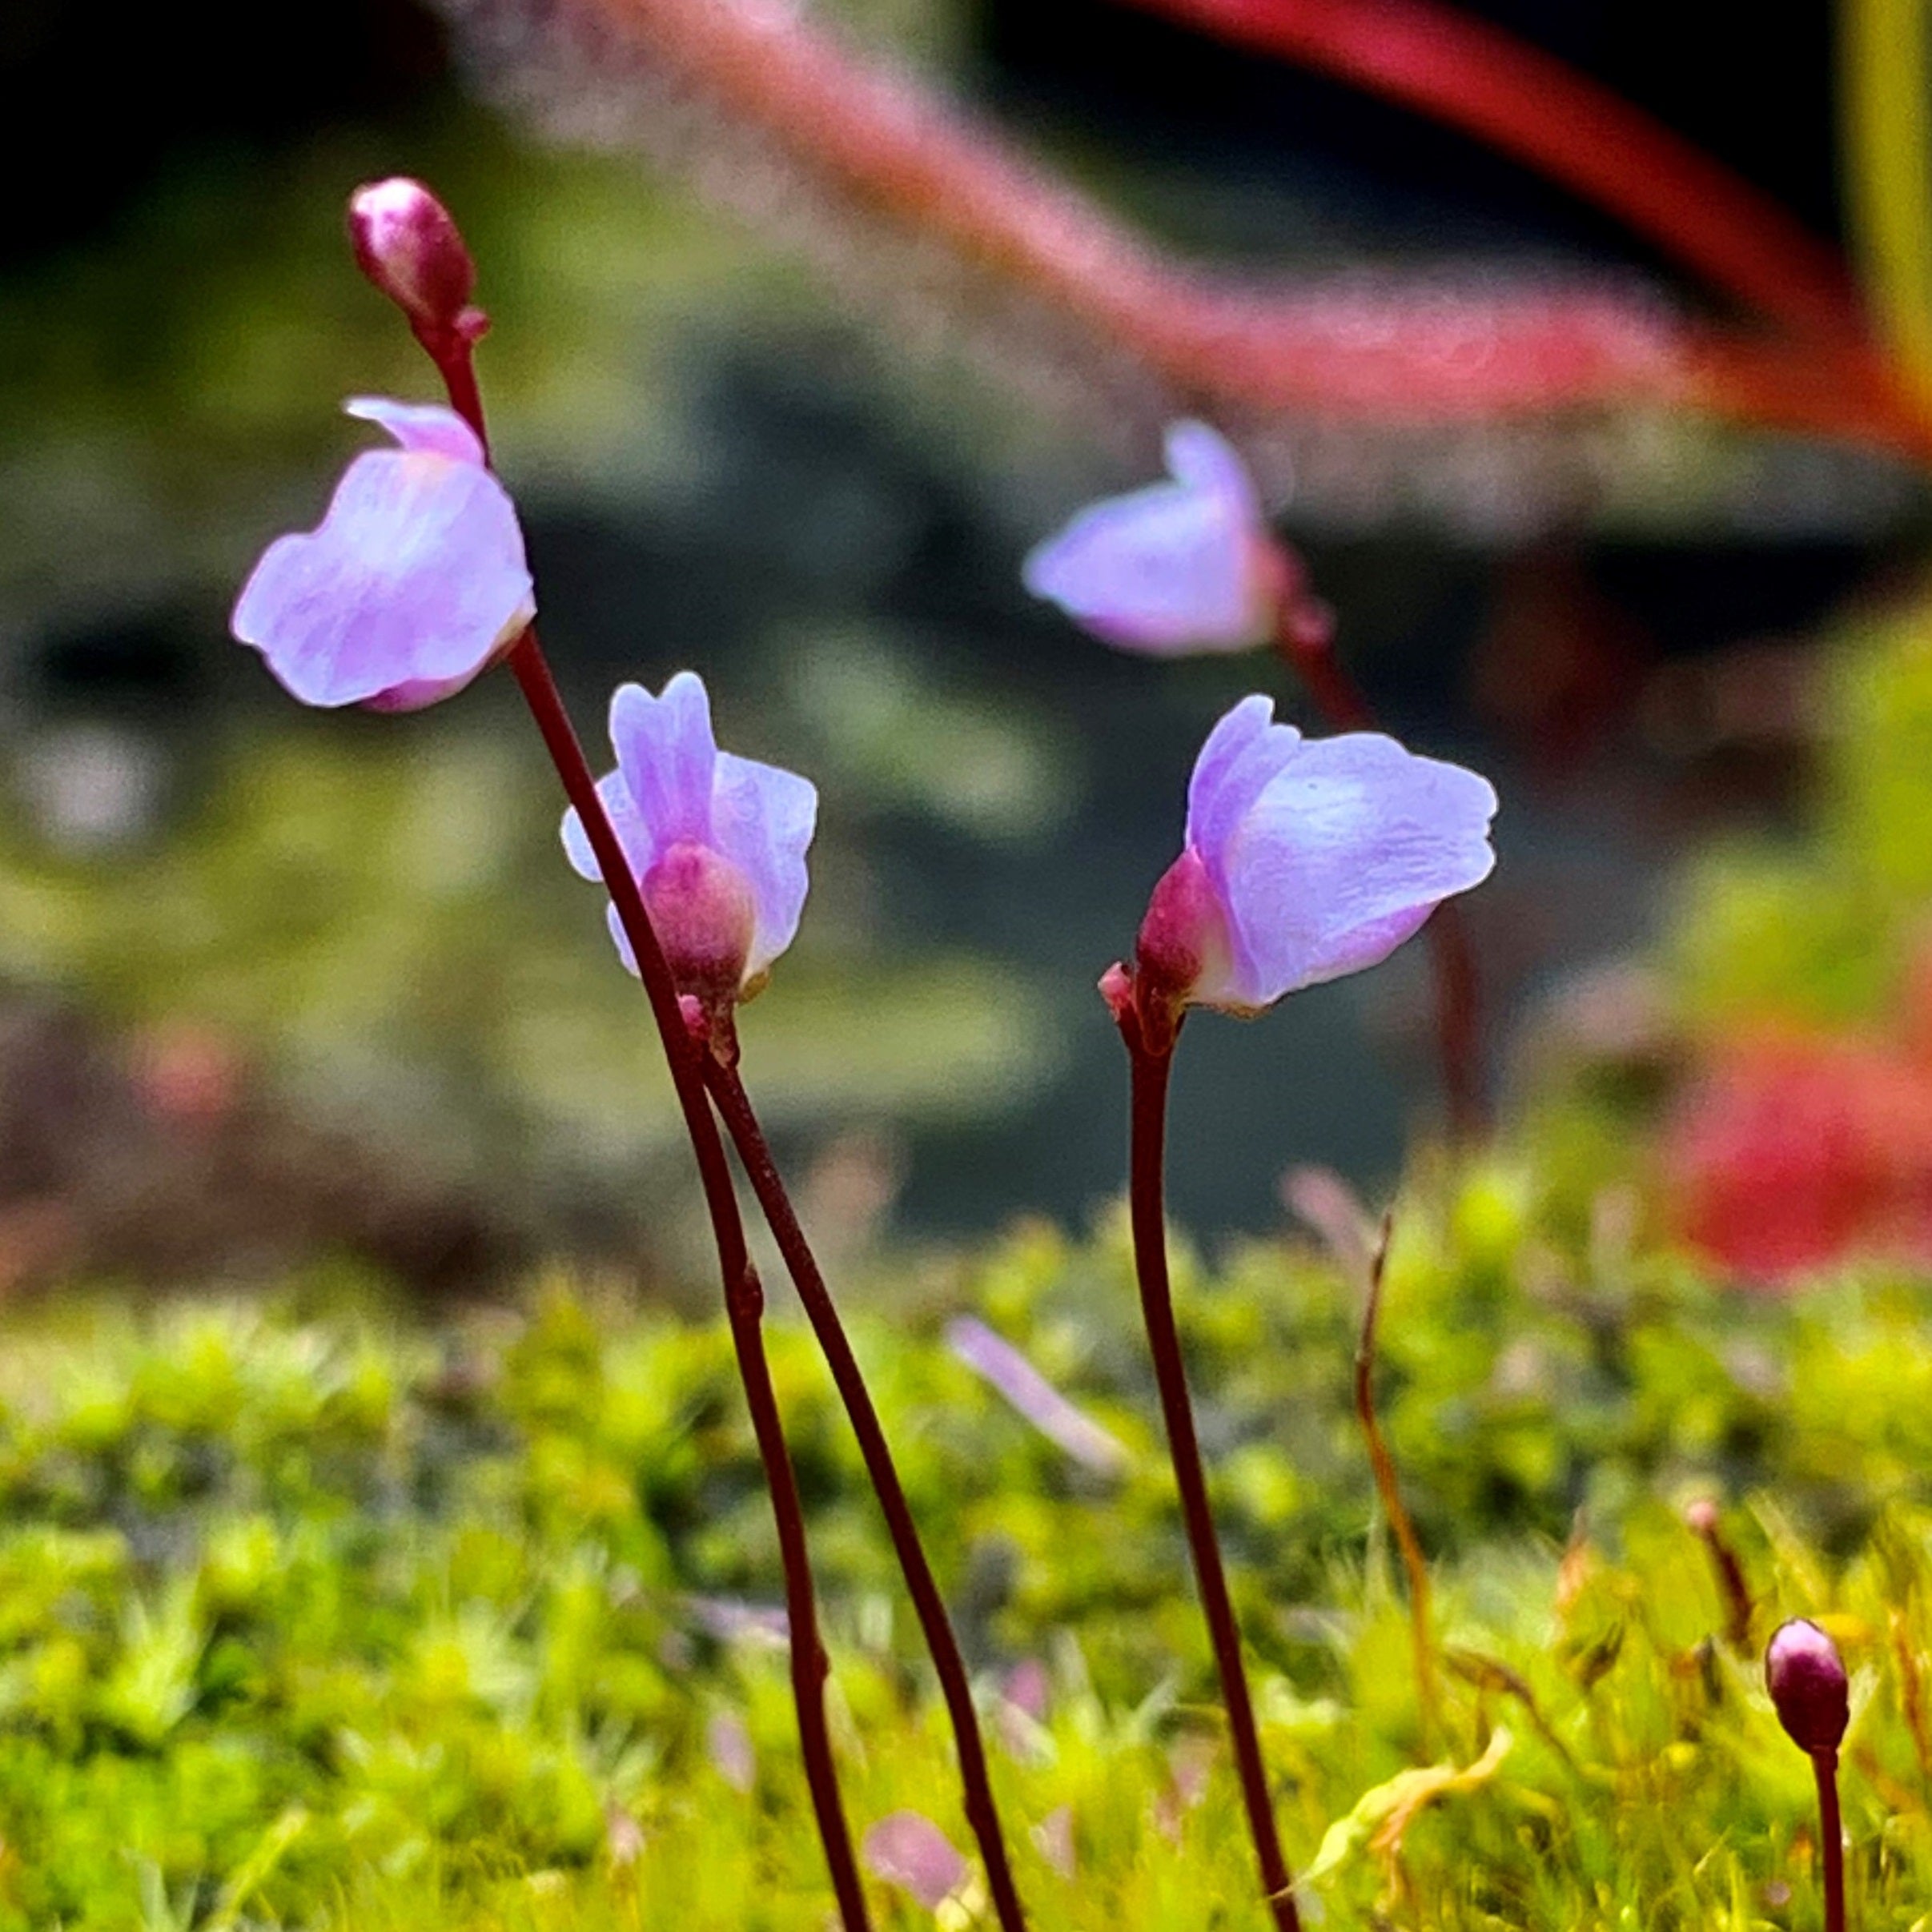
{"points": [[408, 246], [755, 1152], [1806, 1676], [1152, 1058], [1191, 565], [718, 844], [1302, 861]]}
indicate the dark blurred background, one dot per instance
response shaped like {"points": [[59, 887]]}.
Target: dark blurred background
{"points": [[271, 983]]}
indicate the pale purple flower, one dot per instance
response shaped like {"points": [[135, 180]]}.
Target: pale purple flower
{"points": [[908, 1850], [413, 584], [716, 843], [1182, 566], [1059, 1420], [1306, 859]]}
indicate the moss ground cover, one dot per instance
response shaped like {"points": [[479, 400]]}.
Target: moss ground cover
{"points": [[313, 1614]]}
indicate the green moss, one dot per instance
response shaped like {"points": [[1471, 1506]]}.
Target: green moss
{"points": [[340, 1619]]}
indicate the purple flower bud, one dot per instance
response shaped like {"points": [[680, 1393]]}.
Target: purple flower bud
{"points": [[716, 843], [408, 246], [413, 583], [1183, 566], [1806, 1676], [908, 1850], [1305, 859]]}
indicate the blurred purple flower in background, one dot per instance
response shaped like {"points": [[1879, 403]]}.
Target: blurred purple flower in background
{"points": [[718, 843], [1002, 1365], [413, 584], [1306, 859], [909, 1851], [1178, 566]]}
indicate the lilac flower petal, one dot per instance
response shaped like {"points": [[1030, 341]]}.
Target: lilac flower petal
{"points": [[426, 427], [416, 577], [633, 834], [1243, 752], [1176, 567], [731, 1620], [668, 755], [1346, 851], [1200, 458], [911, 1851], [999, 1363], [762, 820], [621, 940]]}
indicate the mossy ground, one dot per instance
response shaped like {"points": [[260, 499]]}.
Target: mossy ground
{"points": [[313, 1614]]}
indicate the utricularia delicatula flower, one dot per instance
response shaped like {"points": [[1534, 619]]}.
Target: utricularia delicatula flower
{"points": [[414, 582], [1306, 858], [716, 843], [1187, 565]]}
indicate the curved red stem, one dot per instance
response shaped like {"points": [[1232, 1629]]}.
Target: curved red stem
{"points": [[1526, 103]]}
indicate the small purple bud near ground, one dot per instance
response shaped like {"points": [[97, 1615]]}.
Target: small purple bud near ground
{"points": [[1811, 1695], [1806, 1678]]}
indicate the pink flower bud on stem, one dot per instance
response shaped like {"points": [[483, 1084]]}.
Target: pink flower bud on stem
{"points": [[408, 245], [1809, 1691]]}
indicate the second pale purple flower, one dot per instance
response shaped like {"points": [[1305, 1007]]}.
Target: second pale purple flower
{"points": [[716, 842], [1305, 859]]}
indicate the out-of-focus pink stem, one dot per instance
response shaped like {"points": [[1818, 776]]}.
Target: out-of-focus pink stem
{"points": [[1528, 104], [1376, 351]]}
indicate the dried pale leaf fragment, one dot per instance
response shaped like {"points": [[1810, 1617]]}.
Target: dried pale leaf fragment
{"points": [[1382, 1817]]}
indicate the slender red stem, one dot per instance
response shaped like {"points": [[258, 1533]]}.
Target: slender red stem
{"points": [[1526, 103], [1145, 1192], [1831, 1835], [744, 1295], [741, 1122], [1458, 987], [1414, 1562]]}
